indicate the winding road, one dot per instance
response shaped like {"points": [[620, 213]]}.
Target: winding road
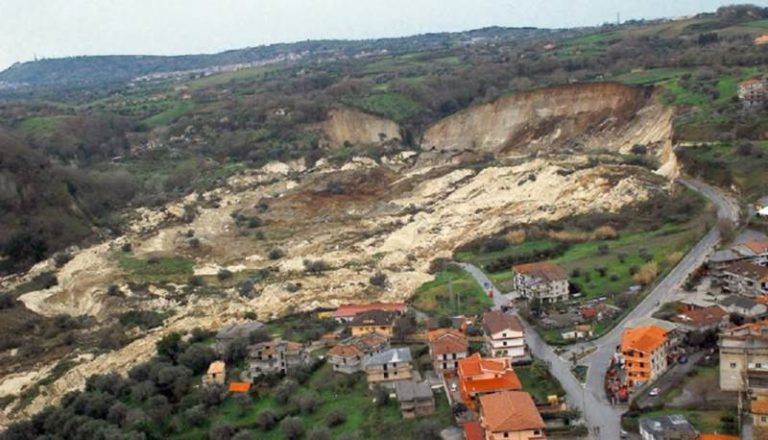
{"points": [[603, 418]]}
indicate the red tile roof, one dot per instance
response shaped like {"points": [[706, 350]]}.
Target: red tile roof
{"points": [[350, 310], [449, 343], [759, 407], [481, 376], [473, 430], [717, 437], [510, 411], [705, 317], [543, 270], [757, 246], [345, 350], [239, 387], [748, 270]]}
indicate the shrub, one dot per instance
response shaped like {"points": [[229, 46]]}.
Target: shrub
{"points": [[335, 418], [381, 396], [7, 301], [194, 243], [315, 266], [224, 274], [428, 430], [379, 279], [62, 258], [603, 249], [293, 287], [614, 277], [292, 428], [646, 274], [307, 404], [623, 257], [275, 254], [196, 281], [601, 270], [244, 435], [221, 432], [113, 290], [319, 433], [126, 247], [576, 272], [639, 149], [285, 390], [266, 420], [145, 319]]}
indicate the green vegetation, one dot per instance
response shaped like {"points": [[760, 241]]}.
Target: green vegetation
{"points": [[728, 165], [354, 400], [539, 382], [434, 296], [156, 269], [704, 420], [390, 105], [171, 114]]}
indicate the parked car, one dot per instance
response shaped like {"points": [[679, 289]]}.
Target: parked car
{"points": [[654, 392], [624, 434]]}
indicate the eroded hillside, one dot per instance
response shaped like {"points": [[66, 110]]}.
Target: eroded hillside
{"points": [[393, 216]]}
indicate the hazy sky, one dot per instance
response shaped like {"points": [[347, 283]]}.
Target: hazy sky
{"points": [[57, 28]]}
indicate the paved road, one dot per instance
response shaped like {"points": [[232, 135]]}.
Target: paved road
{"points": [[591, 399]]}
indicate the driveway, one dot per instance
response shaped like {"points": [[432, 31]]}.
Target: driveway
{"points": [[590, 399]]}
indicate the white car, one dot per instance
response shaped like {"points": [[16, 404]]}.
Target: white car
{"points": [[654, 392]]}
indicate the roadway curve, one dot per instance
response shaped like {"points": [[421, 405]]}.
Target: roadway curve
{"points": [[590, 398]]}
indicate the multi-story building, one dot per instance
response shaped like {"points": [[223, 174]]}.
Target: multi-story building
{"points": [[753, 93], [545, 281], [216, 373], [347, 312], [374, 321], [644, 351], [275, 357], [504, 335], [446, 348], [388, 367], [667, 427], [511, 415], [347, 356], [746, 278], [415, 398], [744, 358], [478, 377]]}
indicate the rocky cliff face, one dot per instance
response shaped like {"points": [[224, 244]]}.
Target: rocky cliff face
{"points": [[358, 128], [580, 116]]}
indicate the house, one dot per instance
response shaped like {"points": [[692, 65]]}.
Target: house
{"points": [[761, 40], [758, 408], [346, 359], [744, 358], [717, 437], [415, 398], [239, 387], [745, 307], [644, 351], [703, 319], [233, 331], [582, 331], [756, 250], [753, 93], [446, 348], [275, 357], [479, 376], [216, 373], [511, 415], [347, 356], [745, 278], [347, 312], [388, 367], [753, 251], [546, 281], [504, 335], [374, 321], [667, 427]]}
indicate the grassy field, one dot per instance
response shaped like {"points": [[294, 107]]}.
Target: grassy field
{"points": [[704, 421], [176, 110], [363, 417], [539, 382], [166, 269], [391, 105], [433, 297], [526, 248]]}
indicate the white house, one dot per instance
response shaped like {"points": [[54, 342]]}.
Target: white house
{"points": [[504, 335]]}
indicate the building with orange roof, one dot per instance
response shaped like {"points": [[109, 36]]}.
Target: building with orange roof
{"points": [[759, 410], [347, 356], [216, 373], [374, 321], [511, 415], [703, 319], [446, 348], [275, 357], [761, 40], [545, 281], [478, 376], [644, 351], [717, 437], [239, 387], [473, 430], [744, 358], [347, 312]]}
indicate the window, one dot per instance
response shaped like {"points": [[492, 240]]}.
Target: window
{"points": [[505, 343], [758, 365], [733, 364], [503, 335]]}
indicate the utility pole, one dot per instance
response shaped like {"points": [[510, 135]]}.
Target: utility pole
{"points": [[618, 18]]}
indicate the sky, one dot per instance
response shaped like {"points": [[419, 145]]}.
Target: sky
{"points": [[59, 28]]}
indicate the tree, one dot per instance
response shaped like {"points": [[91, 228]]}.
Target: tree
{"points": [[275, 254], [379, 279], [285, 390], [646, 274], [292, 428], [236, 351], [727, 229], [244, 435], [259, 335], [266, 420], [428, 430], [196, 416], [319, 433], [197, 357], [221, 432], [244, 401], [170, 345], [380, 396]]}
